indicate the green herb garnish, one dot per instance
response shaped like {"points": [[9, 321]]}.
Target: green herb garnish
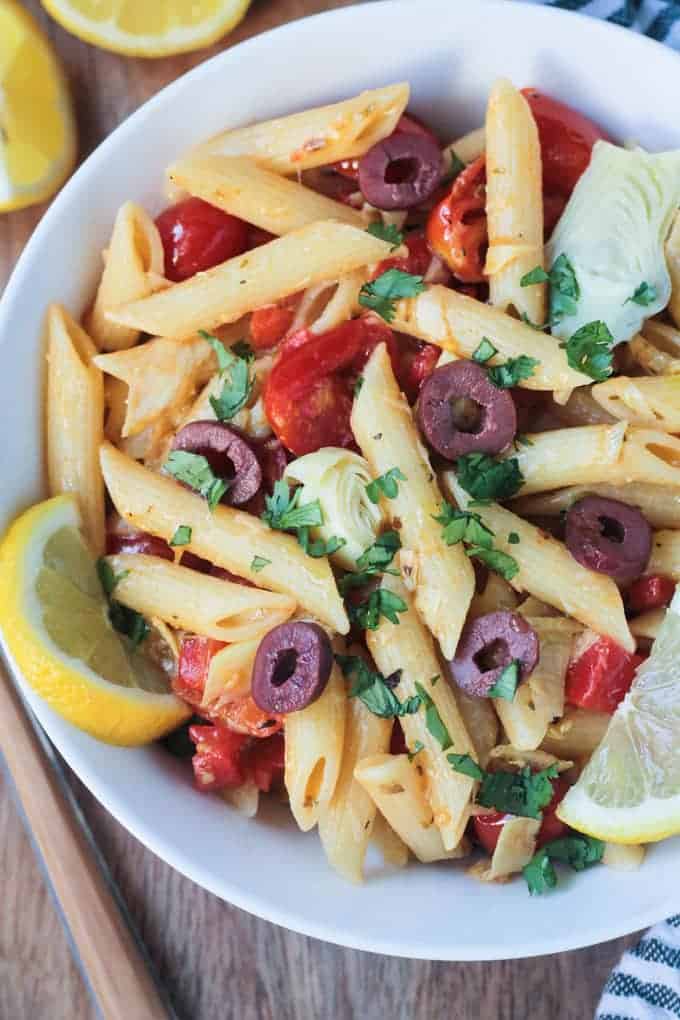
{"points": [[645, 294], [578, 851], [380, 602], [495, 560], [386, 232], [513, 538], [283, 513], [381, 295], [416, 749], [466, 765], [512, 371], [564, 288], [194, 470], [484, 352], [487, 479], [433, 720], [259, 563], [242, 349], [373, 689], [457, 166], [182, 535], [523, 793], [463, 526], [319, 547], [589, 350], [234, 370], [126, 621], [385, 484], [506, 684]]}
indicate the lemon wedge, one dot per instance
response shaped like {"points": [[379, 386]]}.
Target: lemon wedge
{"points": [[54, 619], [148, 28], [37, 128], [629, 792]]}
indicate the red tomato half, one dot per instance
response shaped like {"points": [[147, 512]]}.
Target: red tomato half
{"points": [[416, 262], [601, 677], [406, 125], [226, 759], [308, 396], [417, 360], [487, 827], [653, 592], [197, 236], [567, 139], [195, 654], [269, 324], [456, 228], [265, 759]]}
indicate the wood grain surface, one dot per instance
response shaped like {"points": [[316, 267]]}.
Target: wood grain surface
{"points": [[220, 963]]}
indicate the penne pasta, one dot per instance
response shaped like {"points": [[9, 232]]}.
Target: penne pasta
{"points": [[561, 457], [318, 136], [548, 571], [665, 558], [134, 267], [577, 733], [346, 822], [226, 537], [514, 203], [480, 721], [515, 848], [652, 402], [496, 594], [394, 851], [75, 420], [314, 752], [673, 263], [189, 600], [623, 857], [659, 503], [408, 648], [467, 148], [241, 187], [263, 276], [441, 576], [647, 625], [229, 673], [657, 348], [396, 786], [458, 324]]}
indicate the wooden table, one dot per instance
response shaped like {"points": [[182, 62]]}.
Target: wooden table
{"points": [[220, 963]]}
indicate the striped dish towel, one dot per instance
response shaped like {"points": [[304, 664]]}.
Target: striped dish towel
{"points": [[646, 983]]}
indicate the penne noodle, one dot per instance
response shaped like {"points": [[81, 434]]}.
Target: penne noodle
{"points": [[245, 799], [314, 750], [551, 460], [496, 594], [394, 851], [480, 720], [319, 136], [189, 600], [576, 734], [134, 267], [227, 537], [396, 786], [647, 625], [657, 348], [673, 263], [343, 304], [623, 857], [458, 324], [408, 648], [653, 402], [659, 503], [665, 558], [75, 421], [514, 203], [263, 276], [230, 673], [241, 187], [515, 848], [441, 575], [346, 822], [467, 148], [548, 571]]}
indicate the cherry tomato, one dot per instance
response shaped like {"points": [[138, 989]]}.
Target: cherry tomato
{"points": [[416, 262], [269, 324], [265, 760], [553, 207], [217, 762], [197, 236], [653, 592], [567, 139], [244, 716], [487, 827], [601, 677], [417, 360], [456, 227], [308, 395], [195, 654], [406, 125]]}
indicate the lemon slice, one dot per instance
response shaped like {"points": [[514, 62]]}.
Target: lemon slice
{"points": [[37, 129], [630, 790], [148, 28], [54, 619]]}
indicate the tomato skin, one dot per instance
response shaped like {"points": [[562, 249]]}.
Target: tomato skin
{"points": [[406, 125], [653, 592], [266, 760], [567, 138], [308, 396], [456, 227], [416, 262], [217, 760], [487, 827], [197, 236], [417, 360], [601, 677], [269, 324], [195, 654]]}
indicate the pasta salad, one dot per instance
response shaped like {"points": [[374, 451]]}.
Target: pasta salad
{"points": [[365, 479]]}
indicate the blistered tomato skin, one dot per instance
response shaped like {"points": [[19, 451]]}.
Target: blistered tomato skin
{"points": [[647, 593], [196, 236], [456, 228], [602, 676]]}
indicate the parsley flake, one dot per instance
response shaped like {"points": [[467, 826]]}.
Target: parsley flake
{"points": [[506, 684], [380, 602], [357, 385], [381, 553], [194, 470], [386, 232], [496, 560], [381, 295], [182, 535], [564, 288], [463, 526], [578, 851], [234, 371], [282, 512], [385, 484], [512, 371], [242, 349], [319, 547], [372, 688], [466, 765], [126, 621], [513, 538], [259, 563], [484, 352], [589, 350], [433, 720], [645, 294], [487, 479], [107, 578], [523, 793]]}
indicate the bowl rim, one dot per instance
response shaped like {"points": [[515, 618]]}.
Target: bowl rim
{"points": [[226, 888]]}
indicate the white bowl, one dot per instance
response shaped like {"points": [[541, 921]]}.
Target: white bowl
{"points": [[450, 53]]}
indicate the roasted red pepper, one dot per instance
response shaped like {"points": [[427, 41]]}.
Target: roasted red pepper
{"points": [[601, 677]]}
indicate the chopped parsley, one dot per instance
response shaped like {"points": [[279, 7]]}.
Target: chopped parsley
{"points": [[182, 535], [496, 560], [466, 765], [484, 352], [385, 484], [416, 749], [578, 851], [523, 793], [107, 578], [242, 349], [463, 526], [513, 538], [126, 621], [564, 288], [194, 470], [380, 602], [234, 371], [645, 294], [282, 512], [487, 479], [506, 684], [358, 384], [319, 547], [259, 563], [378, 556], [386, 232], [457, 166], [381, 295], [589, 350], [433, 720], [374, 690], [512, 371]]}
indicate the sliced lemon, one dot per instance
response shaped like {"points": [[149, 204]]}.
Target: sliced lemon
{"points": [[630, 790], [37, 128], [148, 28], [54, 619]]}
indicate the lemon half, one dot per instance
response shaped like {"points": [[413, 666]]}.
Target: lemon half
{"points": [[37, 128], [629, 791], [54, 619], [148, 28]]}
